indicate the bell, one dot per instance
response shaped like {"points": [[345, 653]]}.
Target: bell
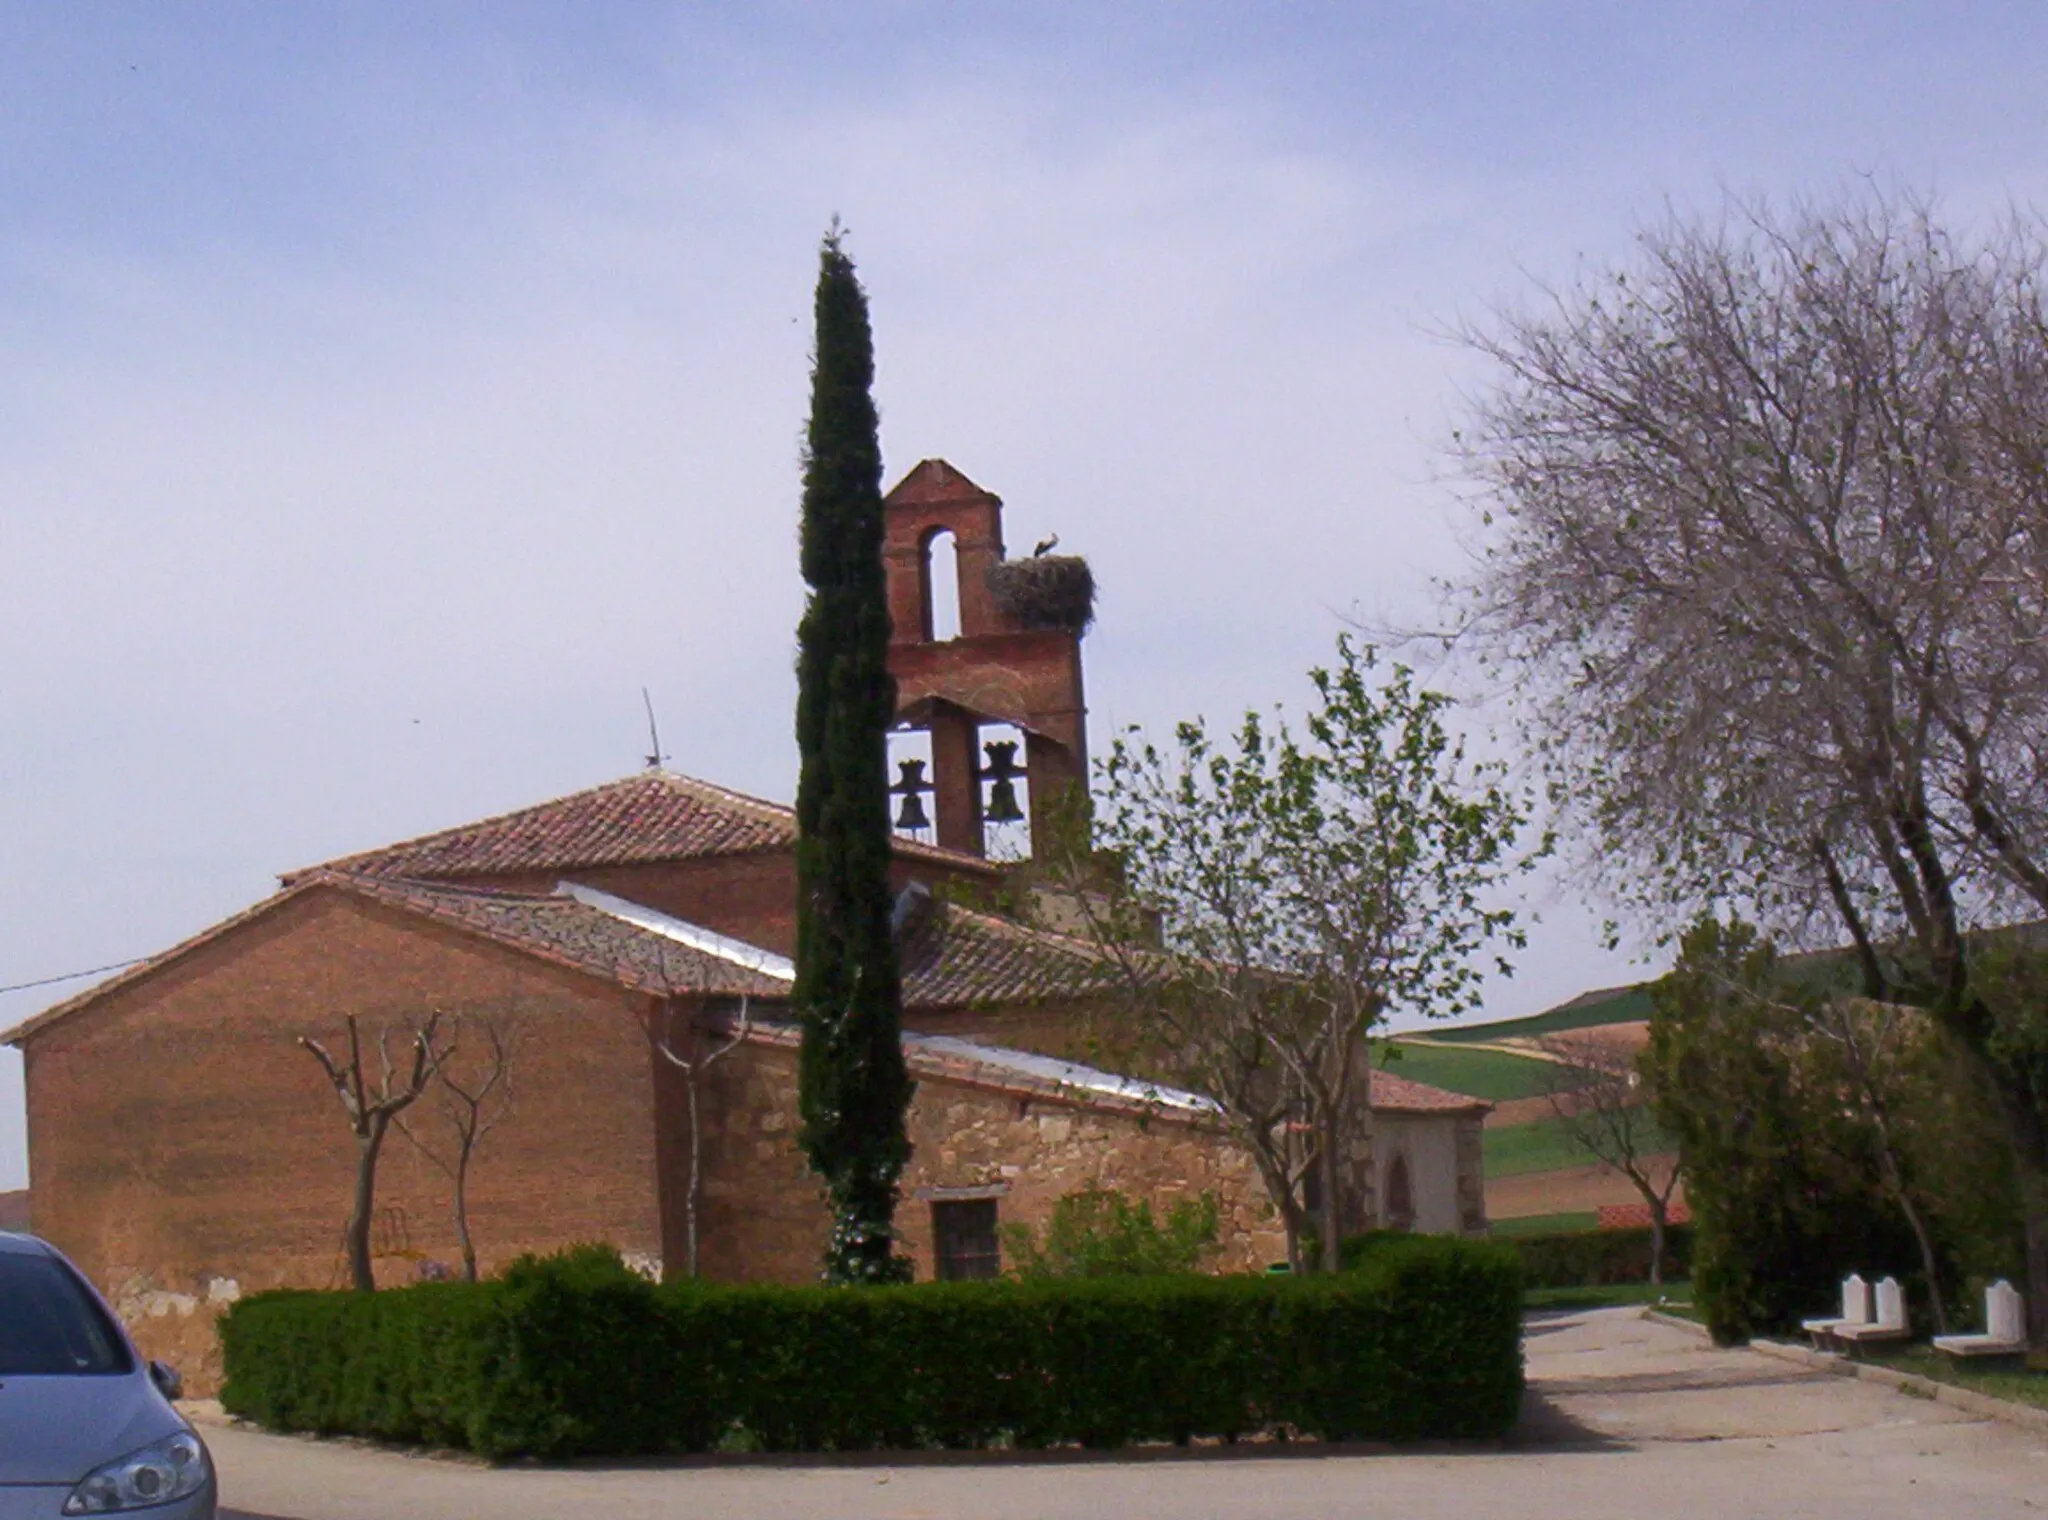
{"points": [[1001, 773], [911, 784], [1002, 802]]}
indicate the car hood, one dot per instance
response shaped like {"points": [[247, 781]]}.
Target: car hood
{"points": [[58, 1429]]}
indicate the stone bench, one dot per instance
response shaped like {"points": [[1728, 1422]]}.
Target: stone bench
{"points": [[1888, 1324], [1855, 1312], [2005, 1327]]}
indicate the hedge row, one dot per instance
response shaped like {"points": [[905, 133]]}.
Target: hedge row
{"points": [[572, 1356], [1571, 1259], [1593, 1258]]}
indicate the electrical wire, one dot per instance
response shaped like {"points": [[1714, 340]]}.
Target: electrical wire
{"points": [[72, 976]]}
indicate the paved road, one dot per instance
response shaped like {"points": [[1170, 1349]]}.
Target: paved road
{"points": [[1627, 1419]]}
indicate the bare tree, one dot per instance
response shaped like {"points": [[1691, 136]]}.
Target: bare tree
{"points": [[371, 1111], [469, 1106], [1596, 1095], [692, 1051], [1765, 554], [1273, 897]]}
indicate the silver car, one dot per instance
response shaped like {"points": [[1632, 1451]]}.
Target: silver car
{"points": [[86, 1426]]}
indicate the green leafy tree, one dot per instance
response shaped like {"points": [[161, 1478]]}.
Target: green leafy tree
{"points": [[1098, 1232], [854, 1086], [1821, 1134], [1268, 897]]}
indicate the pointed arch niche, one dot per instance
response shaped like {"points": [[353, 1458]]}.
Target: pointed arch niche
{"points": [[1399, 1212]]}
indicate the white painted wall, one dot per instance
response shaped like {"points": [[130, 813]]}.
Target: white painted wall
{"points": [[1431, 1145]]}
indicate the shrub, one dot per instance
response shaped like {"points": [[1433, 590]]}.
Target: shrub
{"points": [[1792, 1180], [1594, 1258], [1098, 1232], [563, 1358]]}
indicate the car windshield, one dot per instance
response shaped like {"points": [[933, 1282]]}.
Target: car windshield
{"points": [[49, 1324]]}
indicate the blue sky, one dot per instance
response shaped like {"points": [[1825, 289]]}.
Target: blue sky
{"points": [[391, 391]]}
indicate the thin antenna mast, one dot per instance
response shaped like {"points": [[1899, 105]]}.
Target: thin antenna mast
{"points": [[654, 755]]}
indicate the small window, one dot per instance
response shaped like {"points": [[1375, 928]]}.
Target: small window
{"points": [[964, 1236]]}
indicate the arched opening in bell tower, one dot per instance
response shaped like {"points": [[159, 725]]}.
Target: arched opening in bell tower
{"points": [[941, 574]]}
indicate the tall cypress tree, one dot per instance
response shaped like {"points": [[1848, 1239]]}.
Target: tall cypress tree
{"points": [[854, 1087]]}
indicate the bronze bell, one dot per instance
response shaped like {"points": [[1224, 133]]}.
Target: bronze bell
{"points": [[1002, 802], [1001, 775], [911, 815]]}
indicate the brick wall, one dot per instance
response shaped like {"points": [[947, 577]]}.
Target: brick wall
{"points": [[183, 1150], [751, 896]]}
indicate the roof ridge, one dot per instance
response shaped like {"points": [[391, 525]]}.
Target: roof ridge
{"points": [[653, 814], [342, 862], [698, 783]]}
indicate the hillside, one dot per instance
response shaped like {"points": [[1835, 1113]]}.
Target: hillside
{"points": [[1536, 1177], [1589, 1010]]}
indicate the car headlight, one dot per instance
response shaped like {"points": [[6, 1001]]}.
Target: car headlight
{"points": [[157, 1474]]}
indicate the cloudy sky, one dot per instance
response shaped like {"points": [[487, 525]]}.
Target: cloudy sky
{"points": [[392, 390]]}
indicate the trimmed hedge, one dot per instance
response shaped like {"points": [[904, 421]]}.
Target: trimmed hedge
{"points": [[1570, 1259], [1595, 1258], [574, 1356]]}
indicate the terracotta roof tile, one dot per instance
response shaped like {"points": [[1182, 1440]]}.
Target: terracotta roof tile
{"points": [[959, 958], [557, 929], [1399, 1095], [571, 933], [654, 815]]}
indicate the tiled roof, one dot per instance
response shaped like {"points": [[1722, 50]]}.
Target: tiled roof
{"points": [[1399, 1095], [957, 958], [559, 929], [654, 815], [574, 933]]}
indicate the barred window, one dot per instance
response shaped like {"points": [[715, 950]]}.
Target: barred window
{"points": [[964, 1236]]}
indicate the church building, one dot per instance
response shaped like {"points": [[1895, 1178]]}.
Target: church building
{"points": [[185, 1148]]}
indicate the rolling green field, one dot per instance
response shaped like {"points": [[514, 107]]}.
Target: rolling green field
{"points": [[1547, 1224], [1539, 1146], [1489, 1074]]}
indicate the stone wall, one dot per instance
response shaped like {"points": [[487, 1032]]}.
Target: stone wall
{"points": [[764, 1217]]}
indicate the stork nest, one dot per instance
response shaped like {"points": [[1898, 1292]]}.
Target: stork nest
{"points": [[1045, 591]]}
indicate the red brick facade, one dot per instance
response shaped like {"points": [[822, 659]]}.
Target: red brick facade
{"points": [[180, 1142]]}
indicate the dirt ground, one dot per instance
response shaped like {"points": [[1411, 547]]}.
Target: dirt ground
{"points": [[1625, 1418], [1625, 1038], [1570, 1190]]}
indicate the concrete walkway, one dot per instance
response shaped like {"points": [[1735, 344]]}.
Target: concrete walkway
{"points": [[1627, 1419]]}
